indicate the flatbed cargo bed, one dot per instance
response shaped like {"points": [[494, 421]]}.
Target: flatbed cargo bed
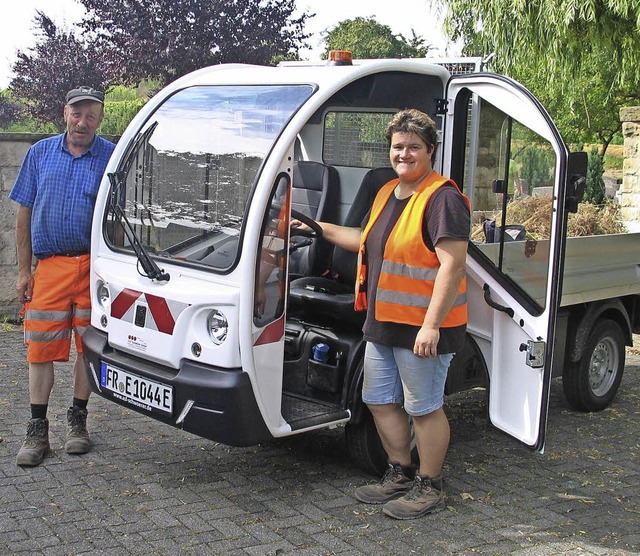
{"points": [[595, 267]]}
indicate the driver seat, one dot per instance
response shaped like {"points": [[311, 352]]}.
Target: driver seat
{"points": [[316, 194], [333, 296]]}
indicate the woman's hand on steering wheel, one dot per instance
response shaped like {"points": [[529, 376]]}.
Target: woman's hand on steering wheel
{"points": [[312, 230]]}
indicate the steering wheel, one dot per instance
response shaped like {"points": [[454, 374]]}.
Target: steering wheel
{"points": [[314, 233]]}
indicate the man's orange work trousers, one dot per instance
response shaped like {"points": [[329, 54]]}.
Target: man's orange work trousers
{"points": [[60, 302]]}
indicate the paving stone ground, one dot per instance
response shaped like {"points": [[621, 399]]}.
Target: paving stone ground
{"points": [[147, 489]]}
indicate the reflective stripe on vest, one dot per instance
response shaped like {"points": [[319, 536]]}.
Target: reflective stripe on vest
{"points": [[412, 299], [409, 268]]}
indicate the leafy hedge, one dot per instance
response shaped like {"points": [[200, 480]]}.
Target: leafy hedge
{"points": [[121, 105]]}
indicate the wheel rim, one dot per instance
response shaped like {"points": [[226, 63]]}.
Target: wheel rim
{"points": [[603, 366]]}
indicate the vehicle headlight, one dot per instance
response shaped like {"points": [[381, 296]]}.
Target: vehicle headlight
{"points": [[217, 326], [104, 296]]}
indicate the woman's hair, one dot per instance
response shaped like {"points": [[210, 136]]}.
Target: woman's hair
{"points": [[414, 121]]}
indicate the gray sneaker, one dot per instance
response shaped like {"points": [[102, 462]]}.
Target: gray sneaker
{"points": [[394, 484], [36, 444], [78, 441], [426, 496]]}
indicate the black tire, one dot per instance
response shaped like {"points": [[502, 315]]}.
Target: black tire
{"points": [[592, 383], [365, 447]]}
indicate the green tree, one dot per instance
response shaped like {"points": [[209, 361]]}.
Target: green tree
{"points": [[166, 39], [366, 38], [536, 167], [558, 32], [58, 62], [579, 57], [9, 110]]}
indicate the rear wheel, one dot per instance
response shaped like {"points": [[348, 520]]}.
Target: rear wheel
{"points": [[365, 447], [591, 383]]}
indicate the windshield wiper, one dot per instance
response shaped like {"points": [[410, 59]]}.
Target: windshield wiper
{"points": [[132, 149], [149, 267]]}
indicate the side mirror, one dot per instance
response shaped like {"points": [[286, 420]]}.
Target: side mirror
{"points": [[576, 180]]}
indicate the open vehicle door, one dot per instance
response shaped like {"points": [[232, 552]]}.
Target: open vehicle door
{"points": [[507, 155]]}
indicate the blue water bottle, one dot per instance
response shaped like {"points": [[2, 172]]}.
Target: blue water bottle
{"points": [[321, 352]]}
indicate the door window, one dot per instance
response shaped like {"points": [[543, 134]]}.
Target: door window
{"points": [[270, 282], [512, 199]]}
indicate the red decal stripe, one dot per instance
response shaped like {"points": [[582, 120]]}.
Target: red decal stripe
{"points": [[272, 333], [121, 304], [161, 313]]}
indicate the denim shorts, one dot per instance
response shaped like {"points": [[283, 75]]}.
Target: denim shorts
{"points": [[397, 376]]}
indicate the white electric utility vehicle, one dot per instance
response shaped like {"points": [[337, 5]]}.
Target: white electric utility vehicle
{"points": [[210, 313]]}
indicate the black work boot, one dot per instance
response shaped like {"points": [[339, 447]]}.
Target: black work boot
{"points": [[395, 482], [36, 444], [78, 441]]}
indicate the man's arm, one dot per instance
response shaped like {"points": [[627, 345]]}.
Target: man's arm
{"points": [[24, 285]]}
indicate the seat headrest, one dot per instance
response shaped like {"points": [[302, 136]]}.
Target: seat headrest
{"points": [[371, 183], [312, 175]]}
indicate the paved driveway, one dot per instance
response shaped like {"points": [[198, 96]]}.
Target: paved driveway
{"points": [[149, 489]]}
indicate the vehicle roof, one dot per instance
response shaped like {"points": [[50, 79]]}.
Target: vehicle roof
{"points": [[320, 74]]}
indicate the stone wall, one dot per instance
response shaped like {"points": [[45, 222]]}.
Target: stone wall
{"points": [[629, 193], [13, 148]]}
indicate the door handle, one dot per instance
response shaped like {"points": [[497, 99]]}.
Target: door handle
{"points": [[493, 304]]}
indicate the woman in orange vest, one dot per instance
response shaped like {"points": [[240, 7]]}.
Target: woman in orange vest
{"points": [[411, 281]]}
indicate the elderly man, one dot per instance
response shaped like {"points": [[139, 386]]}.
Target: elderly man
{"points": [[56, 190]]}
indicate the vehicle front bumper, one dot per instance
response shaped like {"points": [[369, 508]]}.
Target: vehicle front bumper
{"points": [[223, 405]]}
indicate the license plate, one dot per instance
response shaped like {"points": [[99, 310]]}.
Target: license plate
{"points": [[135, 390]]}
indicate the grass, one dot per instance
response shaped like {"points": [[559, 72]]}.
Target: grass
{"points": [[613, 161]]}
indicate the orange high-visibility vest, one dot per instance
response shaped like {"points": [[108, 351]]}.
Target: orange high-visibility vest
{"points": [[409, 268]]}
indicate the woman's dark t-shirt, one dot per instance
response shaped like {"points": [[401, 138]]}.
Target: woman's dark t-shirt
{"points": [[447, 216]]}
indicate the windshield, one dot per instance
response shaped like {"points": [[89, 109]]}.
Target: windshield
{"points": [[189, 173]]}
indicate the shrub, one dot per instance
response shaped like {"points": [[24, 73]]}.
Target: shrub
{"points": [[118, 114], [594, 191], [9, 111], [533, 213]]}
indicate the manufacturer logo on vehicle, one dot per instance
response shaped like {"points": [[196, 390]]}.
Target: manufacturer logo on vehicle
{"points": [[135, 342]]}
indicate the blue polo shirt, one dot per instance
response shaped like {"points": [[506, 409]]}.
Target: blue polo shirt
{"points": [[61, 190]]}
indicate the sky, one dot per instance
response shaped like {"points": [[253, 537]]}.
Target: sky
{"points": [[17, 27]]}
